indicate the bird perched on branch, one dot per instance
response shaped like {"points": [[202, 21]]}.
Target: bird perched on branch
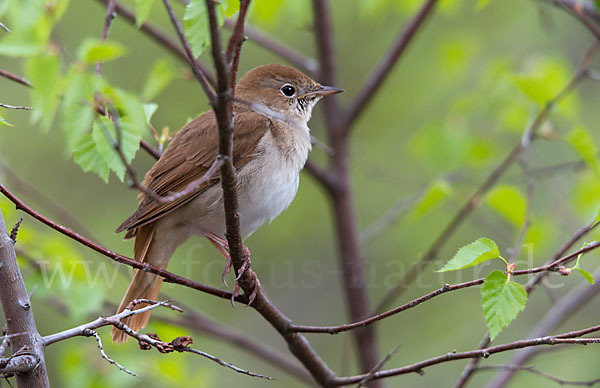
{"points": [[271, 142]]}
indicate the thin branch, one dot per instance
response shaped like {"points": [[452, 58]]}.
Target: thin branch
{"points": [[473, 363], [168, 276], [198, 72], [550, 267], [14, 107], [575, 8], [180, 344], [387, 63], [15, 78], [565, 338], [299, 60], [110, 16], [149, 149], [161, 38], [3, 26], [104, 355], [377, 368], [518, 368], [475, 199]]}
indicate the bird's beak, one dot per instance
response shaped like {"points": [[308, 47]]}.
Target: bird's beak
{"points": [[326, 91]]}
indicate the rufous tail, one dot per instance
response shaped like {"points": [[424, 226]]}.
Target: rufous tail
{"points": [[144, 285]]}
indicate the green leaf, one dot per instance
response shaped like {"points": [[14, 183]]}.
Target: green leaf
{"points": [[130, 108], [197, 27], [94, 50], [477, 252], [231, 8], [586, 275], [501, 300], [149, 110], [88, 158], [142, 11], [581, 141], [4, 122], [159, 78], [78, 113], [509, 202], [44, 72], [103, 134], [433, 197]]}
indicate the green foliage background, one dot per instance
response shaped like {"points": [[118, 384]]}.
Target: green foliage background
{"points": [[453, 107]]}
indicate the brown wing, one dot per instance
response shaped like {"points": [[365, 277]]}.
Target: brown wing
{"points": [[189, 155]]}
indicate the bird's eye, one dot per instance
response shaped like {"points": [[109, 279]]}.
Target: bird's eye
{"points": [[288, 90]]}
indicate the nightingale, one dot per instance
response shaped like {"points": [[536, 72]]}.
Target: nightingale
{"points": [[271, 142]]}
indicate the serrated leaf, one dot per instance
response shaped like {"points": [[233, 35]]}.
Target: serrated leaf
{"points": [[44, 72], [142, 11], [509, 202], [586, 275], [94, 50], [581, 141], [149, 110], [130, 108], [78, 113], [232, 6], [103, 134], [477, 252], [4, 122], [160, 76], [197, 27], [88, 158], [501, 300], [435, 194]]}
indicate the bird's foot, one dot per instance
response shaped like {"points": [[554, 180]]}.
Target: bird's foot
{"points": [[243, 269]]}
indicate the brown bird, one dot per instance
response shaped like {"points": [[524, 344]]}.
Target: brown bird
{"points": [[270, 147]]}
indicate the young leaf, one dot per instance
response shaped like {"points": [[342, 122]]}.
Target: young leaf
{"points": [[130, 109], [586, 275], [509, 202], [433, 197], [103, 134], [232, 7], [581, 141], [142, 11], [149, 110], [94, 50], [44, 72], [480, 250], [78, 113], [87, 157], [501, 300], [159, 78], [4, 122], [197, 28]]}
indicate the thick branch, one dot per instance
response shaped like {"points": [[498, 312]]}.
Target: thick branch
{"points": [[19, 315]]}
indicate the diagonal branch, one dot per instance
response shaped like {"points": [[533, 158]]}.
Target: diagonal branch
{"points": [[15, 78], [474, 200], [168, 276], [387, 63]]}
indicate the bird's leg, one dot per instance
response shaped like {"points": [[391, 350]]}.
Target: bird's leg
{"points": [[223, 246]]}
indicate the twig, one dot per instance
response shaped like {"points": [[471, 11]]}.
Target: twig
{"points": [[486, 340], [574, 8], [103, 354], [226, 364], [3, 26], [15, 78], [550, 267], [299, 60], [565, 338], [149, 149], [474, 200], [160, 37], [386, 64], [168, 276], [377, 367], [110, 16], [530, 369], [197, 70], [15, 107]]}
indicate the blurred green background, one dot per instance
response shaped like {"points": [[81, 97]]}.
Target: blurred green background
{"points": [[453, 107]]}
